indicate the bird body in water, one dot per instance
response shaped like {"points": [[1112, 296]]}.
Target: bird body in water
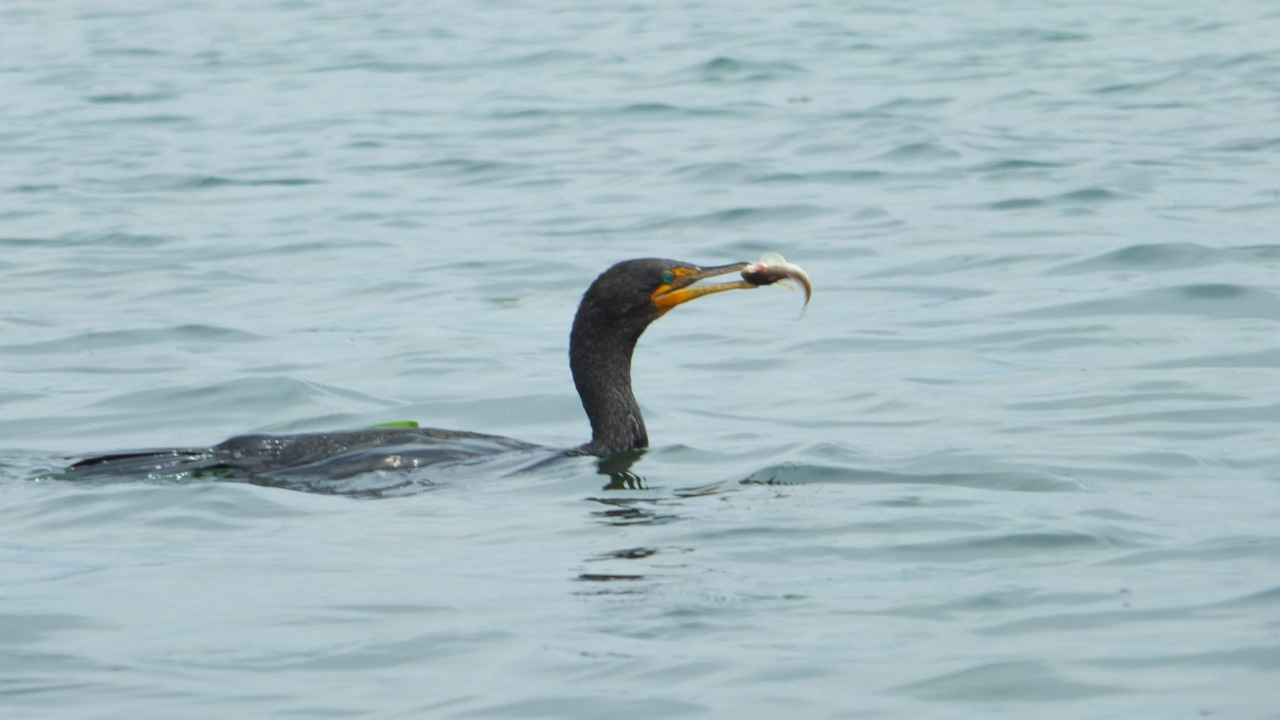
{"points": [[614, 312]]}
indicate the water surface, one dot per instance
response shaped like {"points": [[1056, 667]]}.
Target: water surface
{"points": [[1017, 459]]}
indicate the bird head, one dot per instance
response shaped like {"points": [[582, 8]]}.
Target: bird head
{"points": [[637, 292]]}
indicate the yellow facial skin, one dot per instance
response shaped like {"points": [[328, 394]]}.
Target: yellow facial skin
{"points": [[680, 289]]}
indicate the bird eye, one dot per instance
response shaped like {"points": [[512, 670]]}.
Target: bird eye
{"points": [[668, 277]]}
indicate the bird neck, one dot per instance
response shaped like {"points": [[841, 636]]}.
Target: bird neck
{"points": [[600, 359]]}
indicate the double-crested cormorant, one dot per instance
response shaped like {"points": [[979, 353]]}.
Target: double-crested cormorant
{"points": [[615, 310]]}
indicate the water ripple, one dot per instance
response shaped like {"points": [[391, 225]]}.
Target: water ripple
{"points": [[1019, 455]]}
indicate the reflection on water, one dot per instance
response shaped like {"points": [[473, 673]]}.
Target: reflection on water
{"points": [[618, 468], [635, 511]]}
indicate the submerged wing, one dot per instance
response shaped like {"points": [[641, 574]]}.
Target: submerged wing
{"points": [[142, 463], [332, 455]]}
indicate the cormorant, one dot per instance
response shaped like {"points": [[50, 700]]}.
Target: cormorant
{"points": [[614, 311]]}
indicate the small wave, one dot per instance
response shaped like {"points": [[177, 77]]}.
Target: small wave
{"points": [[1154, 256], [130, 98], [1266, 359], [714, 172], [97, 341], [152, 120], [1017, 204], [1074, 199], [744, 216], [1016, 165], [153, 183], [1143, 87], [1252, 145], [1210, 300], [262, 392], [659, 109], [829, 177], [199, 506], [1011, 480], [731, 217], [966, 264], [1014, 681], [919, 152], [895, 107], [732, 70], [33, 188], [1168, 256], [373, 64], [467, 170], [1213, 552], [112, 240]]}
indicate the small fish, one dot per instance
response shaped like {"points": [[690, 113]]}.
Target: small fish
{"points": [[773, 268]]}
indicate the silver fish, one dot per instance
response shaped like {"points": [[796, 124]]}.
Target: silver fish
{"points": [[773, 268]]}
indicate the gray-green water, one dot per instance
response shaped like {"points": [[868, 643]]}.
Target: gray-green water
{"points": [[1018, 459]]}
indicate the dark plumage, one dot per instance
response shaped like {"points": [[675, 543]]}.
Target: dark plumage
{"points": [[614, 312]]}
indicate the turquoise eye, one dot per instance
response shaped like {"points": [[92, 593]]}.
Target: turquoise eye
{"points": [[668, 277]]}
